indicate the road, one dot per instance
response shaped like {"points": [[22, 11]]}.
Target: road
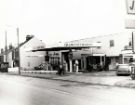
{"points": [[19, 90]]}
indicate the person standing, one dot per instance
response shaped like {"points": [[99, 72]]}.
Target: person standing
{"points": [[60, 69]]}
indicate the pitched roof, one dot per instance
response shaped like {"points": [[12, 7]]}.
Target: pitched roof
{"points": [[23, 43], [20, 45], [8, 51]]}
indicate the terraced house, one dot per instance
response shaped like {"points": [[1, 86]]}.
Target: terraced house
{"points": [[28, 59]]}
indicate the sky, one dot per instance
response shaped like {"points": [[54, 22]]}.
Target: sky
{"points": [[61, 20]]}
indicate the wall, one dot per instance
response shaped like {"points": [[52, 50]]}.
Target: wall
{"points": [[9, 59], [30, 59]]}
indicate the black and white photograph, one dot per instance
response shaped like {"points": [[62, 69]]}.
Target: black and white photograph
{"points": [[67, 52]]}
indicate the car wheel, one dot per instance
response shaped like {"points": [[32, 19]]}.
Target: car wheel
{"points": [[117, 74]]}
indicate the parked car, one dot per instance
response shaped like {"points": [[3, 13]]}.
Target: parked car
{"points": [[123, 69], [40, 67]]}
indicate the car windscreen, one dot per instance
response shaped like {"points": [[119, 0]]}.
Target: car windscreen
{"points": [[123, 67]]}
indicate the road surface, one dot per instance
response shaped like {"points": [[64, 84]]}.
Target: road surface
{"points": [[19, 90]]}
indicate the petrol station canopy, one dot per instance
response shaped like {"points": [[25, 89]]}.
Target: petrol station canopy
{"points": [[59, 48]]}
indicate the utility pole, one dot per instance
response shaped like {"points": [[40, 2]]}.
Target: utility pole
{"points": [[133, 46], [5, 46], [17, 29]]}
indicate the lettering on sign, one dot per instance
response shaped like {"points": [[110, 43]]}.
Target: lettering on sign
{"points": [[38, 47], [130, 6], [54, 54]]}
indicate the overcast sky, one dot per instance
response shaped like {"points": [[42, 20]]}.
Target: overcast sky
{"points": [[61, 20]]}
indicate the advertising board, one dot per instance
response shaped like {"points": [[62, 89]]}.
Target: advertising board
{"points": [[130, 6]]}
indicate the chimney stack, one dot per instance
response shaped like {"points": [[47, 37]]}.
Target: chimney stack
{"points": [[28, 37]]}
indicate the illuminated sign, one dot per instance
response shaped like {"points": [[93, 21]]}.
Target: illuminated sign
{"points": [[130, 24], [130, 6]]}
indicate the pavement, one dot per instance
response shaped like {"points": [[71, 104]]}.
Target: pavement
{"points": [[103, 78]]}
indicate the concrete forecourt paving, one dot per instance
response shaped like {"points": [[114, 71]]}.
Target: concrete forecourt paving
{"points": [[103, 78]]}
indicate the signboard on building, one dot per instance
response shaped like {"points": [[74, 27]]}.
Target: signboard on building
{"points": [[130, 24], [130, 6]]}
